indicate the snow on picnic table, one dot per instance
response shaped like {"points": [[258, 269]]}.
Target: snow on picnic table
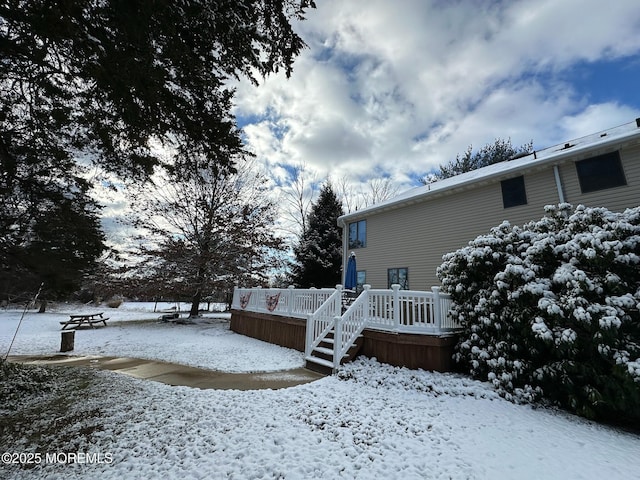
{"points": [[369, 421]]}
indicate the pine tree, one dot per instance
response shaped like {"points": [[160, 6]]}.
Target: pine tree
{"points": [[116, 77], [499, 151], [319, 252], [54, 238]]}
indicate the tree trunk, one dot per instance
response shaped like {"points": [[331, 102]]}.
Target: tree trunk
{"points": [[197, 296], [195, 303], [43, 306]]}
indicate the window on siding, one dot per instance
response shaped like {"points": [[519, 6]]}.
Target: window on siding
{"points": [[513, 192], [399, 276], [601, 172], [361, 279], [358, 234]]}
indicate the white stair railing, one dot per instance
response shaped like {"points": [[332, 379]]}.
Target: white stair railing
{"points": [[349, 326], [322, 321]]}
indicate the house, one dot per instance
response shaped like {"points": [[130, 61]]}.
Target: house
{"points": [[402, 240], [400, 316]]}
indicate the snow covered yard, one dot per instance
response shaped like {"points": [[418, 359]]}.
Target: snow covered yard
{"points": [[369, 421], [133, 330]]}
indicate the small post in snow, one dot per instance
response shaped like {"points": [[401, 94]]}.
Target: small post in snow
{"points": [[67, 341]]}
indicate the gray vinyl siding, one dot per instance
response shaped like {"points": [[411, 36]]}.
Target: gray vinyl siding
{"points": [[615, 199], [418, 235]]}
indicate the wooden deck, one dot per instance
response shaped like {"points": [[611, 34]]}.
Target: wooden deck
{"points": [[428, 352], [284, 331]]}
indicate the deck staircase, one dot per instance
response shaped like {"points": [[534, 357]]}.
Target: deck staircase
{"points": [[326, 350], [320, 358]]}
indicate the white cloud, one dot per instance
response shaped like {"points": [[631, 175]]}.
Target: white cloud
{"points": [[397, 88]]}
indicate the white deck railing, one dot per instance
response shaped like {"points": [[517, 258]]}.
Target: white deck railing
{"points": [[404, 311], [410, 311], [288, 302], [395, 310]]}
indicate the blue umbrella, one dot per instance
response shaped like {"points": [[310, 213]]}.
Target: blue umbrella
{"points": [[350, 278]]}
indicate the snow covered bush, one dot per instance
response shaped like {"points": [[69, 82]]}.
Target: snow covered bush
{"points": [[550, 310]]}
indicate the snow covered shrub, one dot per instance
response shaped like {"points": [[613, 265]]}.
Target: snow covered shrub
{"points": [[550, 309], [19, 383]]}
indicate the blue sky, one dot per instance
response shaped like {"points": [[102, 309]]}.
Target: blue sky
{"points": [[392, 89]]}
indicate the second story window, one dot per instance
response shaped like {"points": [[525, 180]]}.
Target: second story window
{"points": [[358, 234], [598, 173], [513, 192]]}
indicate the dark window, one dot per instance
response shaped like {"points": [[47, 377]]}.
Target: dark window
{"points": [[513, 192], [361, 279], [358, 234], [399, 276], [598, 173]]}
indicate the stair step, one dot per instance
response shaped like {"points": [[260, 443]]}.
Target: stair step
{"points": [[319, 361], [327, 351], [328, 340]]}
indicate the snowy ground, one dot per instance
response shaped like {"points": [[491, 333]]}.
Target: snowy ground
{"points": [[134, 330], [369, 421]]}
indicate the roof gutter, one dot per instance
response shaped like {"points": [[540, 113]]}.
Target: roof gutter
{"points": [[557, 157]]}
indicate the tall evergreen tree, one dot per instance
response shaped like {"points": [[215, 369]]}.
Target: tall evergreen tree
{"points": [[319, 251], [52, 237], [117, 77]]}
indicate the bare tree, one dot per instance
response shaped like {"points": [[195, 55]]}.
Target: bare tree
{"points": [[380, 189], [206, 229], [376, 190], [299, 197], [350, 197]]}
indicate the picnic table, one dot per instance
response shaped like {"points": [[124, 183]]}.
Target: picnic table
{"points": [[84, 318]]}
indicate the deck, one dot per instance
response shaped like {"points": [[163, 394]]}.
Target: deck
{"points": [[399, 327]]}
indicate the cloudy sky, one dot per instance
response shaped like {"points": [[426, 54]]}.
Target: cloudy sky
{"points": [[396, 88]]}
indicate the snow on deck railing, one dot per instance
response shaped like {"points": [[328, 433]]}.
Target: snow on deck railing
{"points": [[404, 311]]}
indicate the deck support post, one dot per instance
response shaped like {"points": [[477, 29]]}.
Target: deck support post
{"points": [[437, 309], [337, 341], [290, 295], [396, 305]]}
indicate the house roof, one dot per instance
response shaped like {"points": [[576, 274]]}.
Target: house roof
{"points": [[575, 149]]}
